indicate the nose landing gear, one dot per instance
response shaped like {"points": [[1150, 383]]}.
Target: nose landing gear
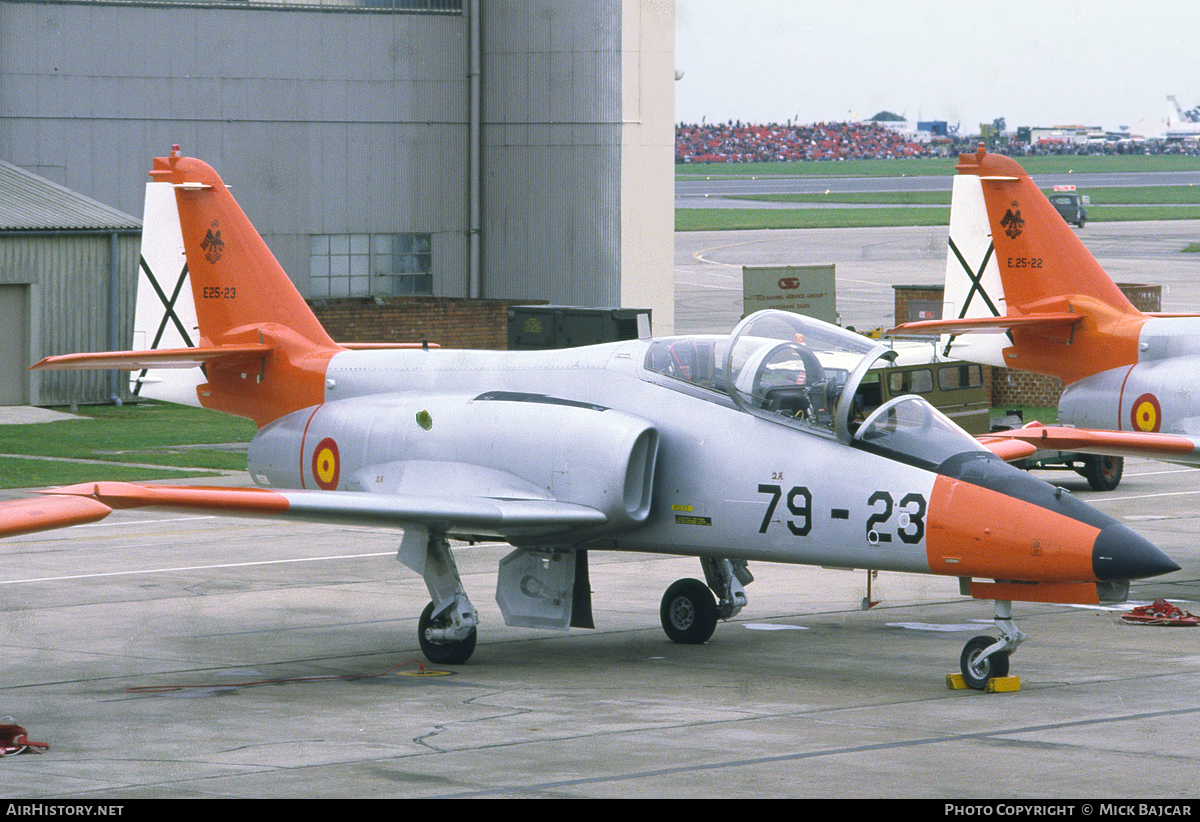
{"points": [[984, 658]]}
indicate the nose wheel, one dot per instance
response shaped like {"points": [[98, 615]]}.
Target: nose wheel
{"points": [[977, 668], [986, 658], [447, 638]]}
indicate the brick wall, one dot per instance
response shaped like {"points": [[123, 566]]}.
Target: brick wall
{"points": [[451, 323], [1011, 387]]}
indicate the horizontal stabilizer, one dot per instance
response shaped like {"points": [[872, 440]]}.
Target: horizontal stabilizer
{"points": [[990, 325], [156, 358], [1088, 441], [26, 516], [467, 515]]}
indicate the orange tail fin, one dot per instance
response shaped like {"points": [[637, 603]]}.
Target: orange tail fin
{"points": [[243, 297], [1047, 272]]}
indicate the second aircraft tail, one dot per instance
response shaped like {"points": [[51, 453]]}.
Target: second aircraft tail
{"points": [[1017, 270]]}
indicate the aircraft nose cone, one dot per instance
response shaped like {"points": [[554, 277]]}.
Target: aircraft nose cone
{"points": [[1119, 553]]}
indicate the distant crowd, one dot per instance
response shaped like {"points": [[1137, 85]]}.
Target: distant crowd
{"points": [[736, 142], [1042, 147], [746, 143]]}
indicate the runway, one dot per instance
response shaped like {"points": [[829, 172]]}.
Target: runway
{"points": [[869, 261], [184, 656], [697, 184]]}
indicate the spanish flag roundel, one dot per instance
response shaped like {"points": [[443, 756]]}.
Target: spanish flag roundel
{"points": [[1146, 414], [326, 464]]}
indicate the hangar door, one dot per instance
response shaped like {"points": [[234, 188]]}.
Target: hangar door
{"points": [[14, 354]]}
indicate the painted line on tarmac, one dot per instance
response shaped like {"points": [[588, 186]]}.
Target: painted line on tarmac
{"points": [[196, 568], [850, 750]]}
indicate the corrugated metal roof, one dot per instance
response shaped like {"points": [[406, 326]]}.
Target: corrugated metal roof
{"points": [[32, 203]]}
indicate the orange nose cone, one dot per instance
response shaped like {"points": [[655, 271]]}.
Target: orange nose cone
{"points": [[976, 531], [990, 520]]}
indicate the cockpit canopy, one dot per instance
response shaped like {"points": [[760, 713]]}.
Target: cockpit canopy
{"points": [[798, 371], [795, 367]]}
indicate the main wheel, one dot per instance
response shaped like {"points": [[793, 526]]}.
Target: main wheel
{"points": [[443, 653], [976, 672], [689, 612], [1103, 473]]}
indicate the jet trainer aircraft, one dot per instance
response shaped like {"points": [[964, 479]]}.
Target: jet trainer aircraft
{"points": [[1019, 278], [747, 447]]}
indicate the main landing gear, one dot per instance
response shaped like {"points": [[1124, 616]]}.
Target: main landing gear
{"points": [[446, 629], [984, 657], [449, 637], [689, 611]]}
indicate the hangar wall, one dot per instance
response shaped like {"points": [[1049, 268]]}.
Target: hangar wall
{"points": [[347, 122], [578, 147], [322, 123]]}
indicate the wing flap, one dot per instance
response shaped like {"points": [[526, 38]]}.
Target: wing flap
{"points": [[471, 515], [155, 358]]}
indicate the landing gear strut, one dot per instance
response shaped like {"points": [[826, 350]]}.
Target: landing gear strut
{"points": [[983, 657], [446, 629]]}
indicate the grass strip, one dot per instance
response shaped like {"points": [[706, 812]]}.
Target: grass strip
{"points": [[738, 219], [939, 167], [35, 473], [149, 433], [1110, 195]]}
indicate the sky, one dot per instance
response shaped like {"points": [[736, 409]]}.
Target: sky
{"points": [[1107, 63]]}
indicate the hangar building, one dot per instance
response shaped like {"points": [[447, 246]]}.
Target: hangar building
{"points": [[58, 249], [449, 148]]}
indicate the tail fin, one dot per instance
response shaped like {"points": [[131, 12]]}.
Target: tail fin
{"points": [[165, 316], [1063, 314], [229, 309], [1048, 273], [973, 287], [243, 300], [1042, 260]]}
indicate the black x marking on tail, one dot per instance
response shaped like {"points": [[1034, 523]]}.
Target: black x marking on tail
{"points": [[169, 314], [976, 278]]}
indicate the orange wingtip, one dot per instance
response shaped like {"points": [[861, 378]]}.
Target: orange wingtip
{"points": [[134, 495], [1008, 449], [25, 516]]}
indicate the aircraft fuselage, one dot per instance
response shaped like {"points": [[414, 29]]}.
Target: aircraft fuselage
{"points": [[1158, 393], [675, 467]]}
